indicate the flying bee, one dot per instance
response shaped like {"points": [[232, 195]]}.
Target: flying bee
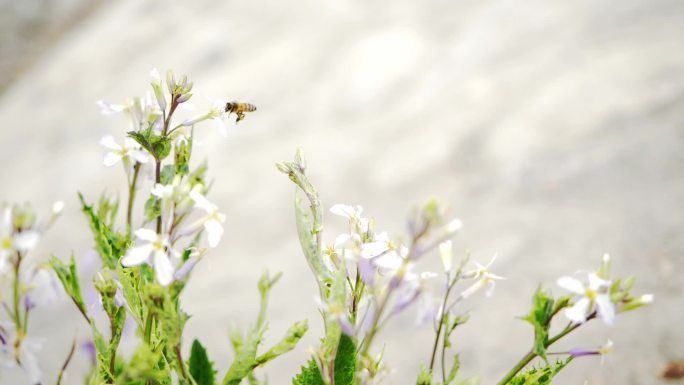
{"points": [[239, 109]]}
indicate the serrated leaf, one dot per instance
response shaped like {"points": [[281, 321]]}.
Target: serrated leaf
{"points": [[201, 369], [110, 245], [309, 375], [540, 318], [540, 376]]}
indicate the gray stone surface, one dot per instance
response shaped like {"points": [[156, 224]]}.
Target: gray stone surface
{"points": [[555, 129]]}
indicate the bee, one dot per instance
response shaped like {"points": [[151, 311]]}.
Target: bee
{"points": [[239, 109]]}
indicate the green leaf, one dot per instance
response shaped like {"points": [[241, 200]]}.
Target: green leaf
{"points": [[167, 174], [424, 376], [345, 361], [292, 337], [182, 154], [540, 318], [309, 241], [245, 362], [69, 278], [201, 369], [310, 375], [152, 208], [540, 376], [109, 244], [454, 369]]}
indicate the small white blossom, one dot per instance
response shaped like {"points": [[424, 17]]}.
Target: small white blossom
{"points": [[12, 241], [130, 149], [20, 353], [594, 295], [483, 279], [447, 255], [353, 214], [109, 108], [217, 113], [212, 221], [155, 247]]}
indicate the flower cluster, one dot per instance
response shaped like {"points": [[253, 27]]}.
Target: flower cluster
{"points": [[366, 277], [147, 260], [27, 286]]}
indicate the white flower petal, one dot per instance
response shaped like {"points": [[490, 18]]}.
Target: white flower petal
{"points": [[221, 126], [162, 191], [146, 235], [26, 240], [163, 268], [137, 255], [596, 283], [578, 312], [389, 262], [154, 75], [571, 284], [373, 249], [341, 240], [606, 309], [111, 158], [109, 142], [201, 201], [343, 210], [214, 232], [139, 155], [447, 255], [108, 108], [57, 207], [6, 224]]}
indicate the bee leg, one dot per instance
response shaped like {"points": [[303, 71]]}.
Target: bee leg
{"points": [[240, 116]]}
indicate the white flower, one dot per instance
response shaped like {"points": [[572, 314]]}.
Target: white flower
{"points": [[596, 294], [217, 113], [154, 246], [12, 241], [454, 226], [109, 108], [447, 254], [130, 149], [19, 353], [484, 279], [353, 214], [157, 88], [57, 207], [212, 221]]}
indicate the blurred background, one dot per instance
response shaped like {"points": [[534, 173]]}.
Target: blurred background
{"points": [[555, 130]]}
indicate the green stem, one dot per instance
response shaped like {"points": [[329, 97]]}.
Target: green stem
{"points": [[531, 354], [181, 364], [17, 294], [131, 197], [157, 179], [148, 328]]}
